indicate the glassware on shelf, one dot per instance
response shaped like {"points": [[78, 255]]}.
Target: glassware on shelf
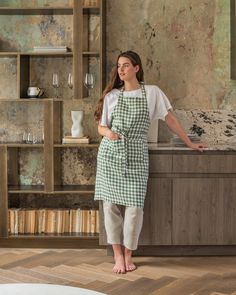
{"points": [[89, 81], [24, 137], [30, 137], [55, 84], [70, 81]]}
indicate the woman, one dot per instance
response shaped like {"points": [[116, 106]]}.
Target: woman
{"points": [[123, 114]]}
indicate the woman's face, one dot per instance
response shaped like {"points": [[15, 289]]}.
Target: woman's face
{"points": [[126, 70]]}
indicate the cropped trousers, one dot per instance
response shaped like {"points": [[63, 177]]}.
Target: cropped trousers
{"points": [[123, 224]]}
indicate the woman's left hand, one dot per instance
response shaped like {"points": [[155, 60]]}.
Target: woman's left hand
{"points": [[197, 146]]}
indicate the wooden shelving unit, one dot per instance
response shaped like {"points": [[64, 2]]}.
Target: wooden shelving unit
{"points": [[52, 109]]}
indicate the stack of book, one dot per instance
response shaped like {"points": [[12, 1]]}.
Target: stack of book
{"points": [[71, 139], [53, 221], [50, 49], [176, 141]]}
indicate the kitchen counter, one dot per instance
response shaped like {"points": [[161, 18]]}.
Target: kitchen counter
{"points": [[169, 147]]}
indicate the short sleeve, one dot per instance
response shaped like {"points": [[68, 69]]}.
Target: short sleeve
{"points": [[162, 105], [104, 119]]}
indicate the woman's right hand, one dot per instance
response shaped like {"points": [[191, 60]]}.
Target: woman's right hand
{"points": [[112, 135]]}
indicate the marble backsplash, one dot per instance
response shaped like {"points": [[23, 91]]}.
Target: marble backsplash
{"points": [[214, 126]]}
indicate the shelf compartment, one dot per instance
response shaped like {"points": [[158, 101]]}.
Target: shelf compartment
{"points": [[26, 189], [39, 67], [74, 189], [36, 11]]}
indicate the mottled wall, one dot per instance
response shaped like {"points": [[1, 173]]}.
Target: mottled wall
{"points": [[185, 47]]}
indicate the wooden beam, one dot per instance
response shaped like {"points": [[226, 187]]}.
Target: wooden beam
{"points": [[3, 192]]}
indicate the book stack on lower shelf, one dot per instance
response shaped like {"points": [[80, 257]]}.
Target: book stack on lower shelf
{"points": [[70, 139], [53, 221]]}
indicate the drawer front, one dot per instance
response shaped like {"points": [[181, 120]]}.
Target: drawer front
{"points": [[160, 163], [204, 163]]}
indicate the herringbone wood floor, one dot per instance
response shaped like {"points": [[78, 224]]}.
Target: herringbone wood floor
{"points": [[91, 269]]}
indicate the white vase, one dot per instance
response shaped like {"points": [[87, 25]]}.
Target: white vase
{"points": [[77, 128]]}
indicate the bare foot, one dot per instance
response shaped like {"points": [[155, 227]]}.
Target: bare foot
{"points": [[129, 265], [119, 266]]}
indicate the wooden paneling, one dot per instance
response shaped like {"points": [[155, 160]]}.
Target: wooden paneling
{"points": [[160, 163], [102, 233], [102, 44], [204, 211], [157, 213], [24, 75], [204, 163], [48, 146], [227, 189], [3, 192], [77, 48]]}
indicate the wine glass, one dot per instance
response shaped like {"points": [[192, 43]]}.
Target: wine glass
{"points": [[89, 81], [55, 83], [70, 81]]}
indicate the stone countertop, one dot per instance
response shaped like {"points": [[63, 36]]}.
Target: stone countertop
{"points": [[214, 147]]}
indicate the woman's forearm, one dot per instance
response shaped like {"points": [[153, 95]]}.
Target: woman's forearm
{"points": [[107, 132], [175, 127], [103, 130]]}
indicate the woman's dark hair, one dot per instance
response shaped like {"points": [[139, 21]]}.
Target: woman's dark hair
{"points": [[115, 81]]}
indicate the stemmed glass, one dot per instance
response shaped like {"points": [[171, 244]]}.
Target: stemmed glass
{"points": [[70, 81], [55, 83], [89, 81]]}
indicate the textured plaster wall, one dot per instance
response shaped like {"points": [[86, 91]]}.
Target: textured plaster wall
{"points": [[184, 45], [185, 49]]}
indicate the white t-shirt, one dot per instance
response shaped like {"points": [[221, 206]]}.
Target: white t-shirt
{"points": [[158, 103]]}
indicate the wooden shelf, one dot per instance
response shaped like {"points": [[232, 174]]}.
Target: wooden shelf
{"points": [[74, 189], [90, 53], [53, 236], [33, 53], [8, 53], [29, 99], [91, 10], [48, 53], [36, 11], [45, 241], [23, 189], [76, 145], [25, 145]]}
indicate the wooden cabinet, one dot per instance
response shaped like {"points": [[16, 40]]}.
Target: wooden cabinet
{"points": [[204, 211], [190, 204], [78, 63], [204, 163], [202, 190], [157, 213]]}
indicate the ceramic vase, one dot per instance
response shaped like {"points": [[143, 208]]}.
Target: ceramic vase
{"points": [[77, 128]]}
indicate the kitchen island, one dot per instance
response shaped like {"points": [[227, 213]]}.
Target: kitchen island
{"points": [[190, 208]]}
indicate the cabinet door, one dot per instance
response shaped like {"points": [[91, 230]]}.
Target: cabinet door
{"points": [[157, 213], [204, 211]]}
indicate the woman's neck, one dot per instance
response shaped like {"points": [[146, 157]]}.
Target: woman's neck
{"points": [[131, 85]]}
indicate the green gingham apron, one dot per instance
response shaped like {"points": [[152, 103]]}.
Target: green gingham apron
{"points": [[122, 165]]}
